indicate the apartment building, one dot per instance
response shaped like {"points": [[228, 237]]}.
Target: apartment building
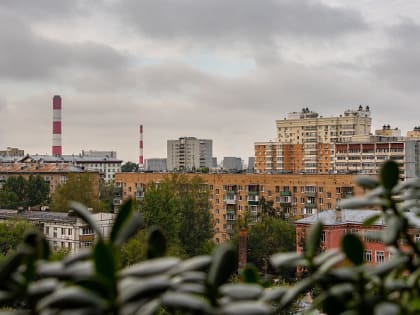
{"points": [[367, 157], [415, 133], [231, 163], [103, 162], [338, 222], [155, 165], [235, 197], [64, 230], [305, 141], [189, 153], [12, 152], [53, 173]]}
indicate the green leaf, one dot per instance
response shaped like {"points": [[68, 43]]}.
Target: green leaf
{"points": [[151, 267], [387, 308], [366, 182], [104, 260], [126, 210], [128, 230], [246, 308], [240, 291], [390, 174], [71, 298], [186, 301], [85, 215], [144, 288], [392, 230], [313, 239], [353, 248], [156, 243], [223, 266], [287, 260], [371, 220], [250, 274]]}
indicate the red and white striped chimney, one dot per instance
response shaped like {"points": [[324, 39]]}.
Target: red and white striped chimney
{"points": [[141, 159], [56, 141]]}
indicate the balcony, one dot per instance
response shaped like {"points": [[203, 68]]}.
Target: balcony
{"points": [[117, 201], [285, 193], [230, 200], [87, 237], [309, 205], [310, 193], [252, 193]]}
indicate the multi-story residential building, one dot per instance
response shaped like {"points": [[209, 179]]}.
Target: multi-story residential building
{"points": [[12, 152], [415, 133], [53, 173], [387, 131], [367, 157], [305, 141], [231, 163], [235, 197], [189, 153], [155, 165], [338, 222], [63, 230], [104, 162]]}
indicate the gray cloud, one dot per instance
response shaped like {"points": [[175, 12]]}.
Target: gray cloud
{"points": [[399, 63], [247, 20], [30, 56]]}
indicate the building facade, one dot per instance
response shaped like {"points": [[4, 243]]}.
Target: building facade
{"points": [[63, 230], [236, 196], [155, 165], [231, 163], [338, 222], [189, 153]]}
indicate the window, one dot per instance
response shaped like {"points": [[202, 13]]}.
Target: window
{"points": [[277, 188], [217, 191], [328, 195], [295, 189], [417, 238], [87, 230], [47, 230], [329, 205], [217, 211], [269, 193], [63, 232], [262, 188], [321, 201], [380, 257], [368, 256], [321, 189], [70, 231], [55, 232], [302, 200], [323, 236]]}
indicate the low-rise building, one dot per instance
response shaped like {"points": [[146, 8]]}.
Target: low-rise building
{"points": [[155, 165], [338, 222], [64, 230]]}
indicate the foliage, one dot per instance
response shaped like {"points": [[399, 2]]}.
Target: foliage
{"points": [[19, 192], [11, 234], [268, 237], [106, 195], [93, 282], [129, 167], [182, 207], [80, 187]]}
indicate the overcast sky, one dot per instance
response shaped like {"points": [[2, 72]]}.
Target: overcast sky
{"points": [[221, 70]]}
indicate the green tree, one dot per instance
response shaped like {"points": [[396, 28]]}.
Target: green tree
{"points": [[37, 190], [11, 234], [106, 195], [181, 207], [80, 187], [268, 237], [8, 200], [17, 185], [129, 167]]}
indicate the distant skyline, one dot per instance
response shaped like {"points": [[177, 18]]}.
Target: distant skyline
{"points": [[220, 70]]}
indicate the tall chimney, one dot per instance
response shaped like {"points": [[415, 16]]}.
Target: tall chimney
{"points": [[56, 141], [141, 159]]}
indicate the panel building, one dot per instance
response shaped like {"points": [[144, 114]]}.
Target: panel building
{"points": [[189, 153]]}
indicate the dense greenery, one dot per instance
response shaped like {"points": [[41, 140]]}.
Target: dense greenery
{"points": [[129, 167], [181, 206], [20, 192], [80, 187], [268, 237], [106, 195], [93, 282], [11, 234]]}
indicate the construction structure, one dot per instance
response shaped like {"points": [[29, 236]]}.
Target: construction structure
{"points": [[338, 222], [189, 153], [141, 157], [63, 230], [236, 196], [56, 140]]}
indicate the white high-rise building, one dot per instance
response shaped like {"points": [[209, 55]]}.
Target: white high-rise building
{"points": [[189, 153]]}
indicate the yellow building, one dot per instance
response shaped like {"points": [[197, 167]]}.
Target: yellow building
{"points": [[236, 196]]}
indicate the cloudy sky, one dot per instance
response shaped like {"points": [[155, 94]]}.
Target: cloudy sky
{"points": [[224, 70]]}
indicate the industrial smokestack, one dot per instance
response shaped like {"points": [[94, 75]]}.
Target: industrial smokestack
{"points": [[141, 158], [56, 141]]}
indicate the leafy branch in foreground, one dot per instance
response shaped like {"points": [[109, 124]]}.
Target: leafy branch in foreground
{"points": [[93, 281]]}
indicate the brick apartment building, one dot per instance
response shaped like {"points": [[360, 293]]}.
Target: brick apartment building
{"points": [[234, 195], [338, 222]]}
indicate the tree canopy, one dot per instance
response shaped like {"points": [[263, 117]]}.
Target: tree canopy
{"points": [[129, 167], [80, 187], [20, 192]]}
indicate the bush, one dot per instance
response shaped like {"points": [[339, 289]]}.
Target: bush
{"points": [[93, 282]]}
